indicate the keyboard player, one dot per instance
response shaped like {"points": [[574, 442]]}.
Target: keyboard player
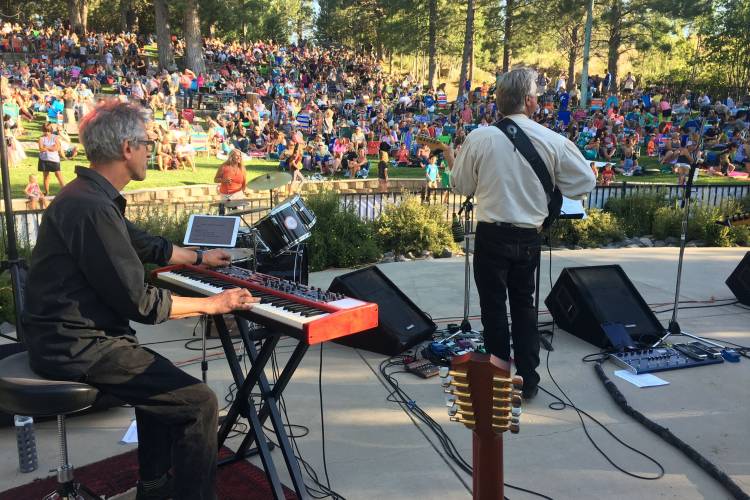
{"points": [[85, 286]]}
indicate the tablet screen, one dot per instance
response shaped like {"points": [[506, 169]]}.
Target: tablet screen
{"points": [[212, 231]]}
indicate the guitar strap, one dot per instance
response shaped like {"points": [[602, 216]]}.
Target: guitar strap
{"points": [[522, 143]]}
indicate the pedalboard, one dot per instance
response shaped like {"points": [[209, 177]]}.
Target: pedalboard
{"points": [[661, 359]]}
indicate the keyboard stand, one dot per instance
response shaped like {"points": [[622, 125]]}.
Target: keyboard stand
{"points": [[244, 407]]}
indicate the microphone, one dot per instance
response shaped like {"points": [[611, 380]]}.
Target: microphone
{"points": [[457, 229]]}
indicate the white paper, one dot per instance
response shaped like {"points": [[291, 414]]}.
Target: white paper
{"points": [[642, 380], [131, 435]]}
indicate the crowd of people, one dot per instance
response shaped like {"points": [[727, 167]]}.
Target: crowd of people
{"points": [[329, 111]]}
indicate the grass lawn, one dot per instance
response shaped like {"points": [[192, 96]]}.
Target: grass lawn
{"points": [[206, 169]]}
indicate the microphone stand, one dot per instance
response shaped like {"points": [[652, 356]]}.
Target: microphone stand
{"points": [[466, 209], [14, 264], [674, 326]]}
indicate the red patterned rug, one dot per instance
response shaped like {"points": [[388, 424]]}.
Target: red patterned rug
{"points": [[115, 475]]}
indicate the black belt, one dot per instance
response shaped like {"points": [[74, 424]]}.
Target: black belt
{"points": [[510, 225]]}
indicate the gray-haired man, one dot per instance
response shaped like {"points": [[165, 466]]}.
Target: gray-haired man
{"points": [[511, 208], [86, 284]]}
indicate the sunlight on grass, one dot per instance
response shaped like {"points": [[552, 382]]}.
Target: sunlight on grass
{"points": [[206, 169]]}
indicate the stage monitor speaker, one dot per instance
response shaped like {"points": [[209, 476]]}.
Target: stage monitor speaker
{"points": [[586, 298], [401, 324], [739, 281]]}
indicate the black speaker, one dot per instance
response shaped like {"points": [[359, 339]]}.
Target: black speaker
{"points": [[739, 281], [586, 298], [401, 324]]}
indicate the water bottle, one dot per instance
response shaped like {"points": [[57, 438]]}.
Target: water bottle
{"points": [[27, 459]]}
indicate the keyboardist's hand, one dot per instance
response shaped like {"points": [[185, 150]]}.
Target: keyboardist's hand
{"points": [[217, 258], [234, 299]]}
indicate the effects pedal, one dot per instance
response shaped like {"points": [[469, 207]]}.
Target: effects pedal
{"points": [[423, 368], [662, 359]]}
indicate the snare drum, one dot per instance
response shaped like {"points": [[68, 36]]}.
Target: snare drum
{"points": [[288, 224]]}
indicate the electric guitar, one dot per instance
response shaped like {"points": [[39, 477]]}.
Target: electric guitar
{"points": [[740, 219], [487, 401], [435, 144]]}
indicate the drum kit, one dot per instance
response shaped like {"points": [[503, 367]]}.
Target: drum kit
{"points": [[280, 231]]}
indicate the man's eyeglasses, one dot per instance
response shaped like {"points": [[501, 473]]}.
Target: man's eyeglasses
{"points": [[150, 145]]}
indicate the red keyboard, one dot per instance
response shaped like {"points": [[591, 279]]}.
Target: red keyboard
{"points": [[302, 311]]}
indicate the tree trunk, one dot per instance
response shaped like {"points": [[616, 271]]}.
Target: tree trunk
{"points": [[432, 29], [163, 35], [468, 46], [74, 13], [83, 14], [615, 40], [125, 6], [572, 56], [508, 33], [299, 27], [193, 40]]}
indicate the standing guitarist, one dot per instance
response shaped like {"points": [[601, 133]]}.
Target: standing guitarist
{"points": [[515, 170]]}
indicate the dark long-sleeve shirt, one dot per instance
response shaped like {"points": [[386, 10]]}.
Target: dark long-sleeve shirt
{"points": [[86, 281]]}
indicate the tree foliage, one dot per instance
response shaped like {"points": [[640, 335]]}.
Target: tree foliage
{"points": [[684, 42]]}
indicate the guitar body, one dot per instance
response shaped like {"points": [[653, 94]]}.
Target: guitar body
{"points": [[488, 401]]}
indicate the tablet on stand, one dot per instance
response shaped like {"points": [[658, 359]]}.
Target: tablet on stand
{"points": [[215, 232]]}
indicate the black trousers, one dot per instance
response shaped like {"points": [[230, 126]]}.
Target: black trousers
{"points": [[505, 259], [176, 415]]}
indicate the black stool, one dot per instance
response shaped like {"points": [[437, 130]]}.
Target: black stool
{"points": [[23, 392]]}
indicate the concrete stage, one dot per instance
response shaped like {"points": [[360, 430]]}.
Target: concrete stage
{"points": [[376, 451]]}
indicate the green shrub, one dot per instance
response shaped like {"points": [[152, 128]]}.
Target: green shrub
{"points": [[740, 235], [7, 304], [597, 229], [637, 211], [340, 238], [410, 226], [745, 204], [162, 220], [701, 226], [667, 222], [7, 307]]}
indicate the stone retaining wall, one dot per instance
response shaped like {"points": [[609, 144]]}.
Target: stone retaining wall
{"points": [[201, 193]]}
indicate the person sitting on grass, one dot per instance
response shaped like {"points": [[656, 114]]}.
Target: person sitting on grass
{"points": [[726, 167], [357, 164], [591, 150], [608, 175], [185, 153], [164, 156], [402, 156]]}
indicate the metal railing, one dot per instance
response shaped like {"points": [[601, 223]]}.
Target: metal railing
{"points": [[370, 206]]}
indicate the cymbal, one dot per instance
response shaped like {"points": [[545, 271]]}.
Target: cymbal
{"points": [[270, 180], [245, 211], [236, 203]]}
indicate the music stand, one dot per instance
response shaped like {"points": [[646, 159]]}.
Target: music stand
{"points": [[214, 231]]}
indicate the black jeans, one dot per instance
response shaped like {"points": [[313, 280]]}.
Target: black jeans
{"points": [[504, 262], [176, 414]]}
